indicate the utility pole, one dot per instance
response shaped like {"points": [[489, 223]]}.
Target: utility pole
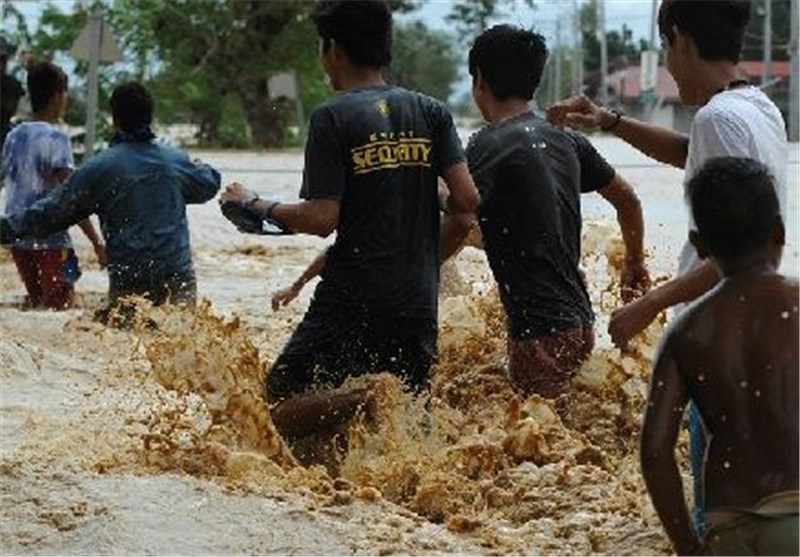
{"points": [[557, 88], [95, 23], [577, 51], [766, 69], [601, 29], [794, 87]]}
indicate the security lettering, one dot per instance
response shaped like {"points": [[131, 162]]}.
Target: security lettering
{"points": [[386, 151]]}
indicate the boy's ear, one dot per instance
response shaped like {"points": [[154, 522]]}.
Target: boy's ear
{"points": [[778, 232], [697, 242]]}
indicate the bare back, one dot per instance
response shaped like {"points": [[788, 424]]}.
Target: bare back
{"points": [[737, 351]]}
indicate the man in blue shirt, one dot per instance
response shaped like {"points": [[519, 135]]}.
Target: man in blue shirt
{"points": [[139, 188]]}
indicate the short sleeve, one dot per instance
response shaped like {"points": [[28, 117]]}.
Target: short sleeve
{"points": [[325, 168], [478, 159], [716, 134], [596, 173], [58, 151], [448, 150]]}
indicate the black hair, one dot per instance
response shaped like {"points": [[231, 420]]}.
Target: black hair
{"points": [[734, 205], [45, 81], [510, 59], [131, 106], [716, 26], [362, 28]]}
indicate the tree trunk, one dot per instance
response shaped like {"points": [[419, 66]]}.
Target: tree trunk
{"points": [[267, 118]]}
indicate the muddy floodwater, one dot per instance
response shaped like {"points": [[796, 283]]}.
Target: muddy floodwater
{"points": [[157, 440]]}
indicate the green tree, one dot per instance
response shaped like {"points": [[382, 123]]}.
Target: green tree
{"points": [[471, 17], [424, 60]]}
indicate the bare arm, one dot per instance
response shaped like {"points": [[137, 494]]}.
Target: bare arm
{"points": [[286, 295], [635, 279], [61, 175], [666, 401], [631, 319], [315, 216], [462, 205], [659, 143]]}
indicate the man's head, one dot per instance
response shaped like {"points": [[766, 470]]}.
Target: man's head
{"points": [[506, 62], [736, 210], [695, 31], [47, 88], [131, 107], [355, 33]]}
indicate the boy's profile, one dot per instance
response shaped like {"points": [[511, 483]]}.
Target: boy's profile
{"points": [[735, 355]]}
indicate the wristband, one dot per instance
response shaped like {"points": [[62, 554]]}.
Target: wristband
{"points": [[617, 119]]}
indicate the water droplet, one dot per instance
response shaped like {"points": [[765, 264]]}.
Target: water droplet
{"points": [[785, 315], [701, 377], [505, 230], [758, 393], [742, 298], [723, 418], [743, 384], [726, 464], [660, 383]]}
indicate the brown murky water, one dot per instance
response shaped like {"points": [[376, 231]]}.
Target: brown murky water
{"points": [[158, 441]]}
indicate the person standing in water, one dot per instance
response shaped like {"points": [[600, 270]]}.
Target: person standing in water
{"points": [[37, 157], [734, 353], [372, 161], [703, 44], [530, 176]]}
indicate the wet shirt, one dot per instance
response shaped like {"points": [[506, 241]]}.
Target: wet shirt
{"points": [[530, 176], [32, 153], [139, 190], [379, 152]]}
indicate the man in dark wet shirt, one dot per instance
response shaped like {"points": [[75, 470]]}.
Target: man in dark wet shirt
{"points": [[530, 176], [735, 354], [372, 161]]}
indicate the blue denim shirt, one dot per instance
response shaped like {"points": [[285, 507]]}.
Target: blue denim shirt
{"points": [[139, 189]]}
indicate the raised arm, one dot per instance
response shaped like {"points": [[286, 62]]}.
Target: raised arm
{"points": [[462, 205], [635, 279], [633, 318], [659, 143], [666, 401], [199, 181]]}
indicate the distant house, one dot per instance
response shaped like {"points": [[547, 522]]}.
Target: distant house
{"points": [[625, 89]]}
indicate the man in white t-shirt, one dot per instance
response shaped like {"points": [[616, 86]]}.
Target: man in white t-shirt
{"points": [[702, 43]]}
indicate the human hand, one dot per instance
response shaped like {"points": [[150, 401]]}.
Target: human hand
{"points": [[102, 256], [282, 297], [579, 112], [237, 193], [634, 281], [631, 319]]}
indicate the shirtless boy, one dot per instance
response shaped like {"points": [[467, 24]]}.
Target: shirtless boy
{"points": [[735, 354]]}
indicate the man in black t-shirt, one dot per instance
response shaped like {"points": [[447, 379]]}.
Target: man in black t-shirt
{"points": [[530, 176], [372, 161]]}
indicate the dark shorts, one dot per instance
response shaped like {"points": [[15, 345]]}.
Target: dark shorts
{"points": [[49, 276], [545, 365], [326, 349]]}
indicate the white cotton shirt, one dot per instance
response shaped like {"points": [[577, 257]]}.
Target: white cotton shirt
{"points": [[741, 122]]}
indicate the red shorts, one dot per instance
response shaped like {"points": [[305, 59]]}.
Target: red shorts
{"points": [[49, 276], [545, 365]]}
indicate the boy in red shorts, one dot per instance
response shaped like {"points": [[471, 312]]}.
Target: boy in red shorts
{"points": [[37, 157]]}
